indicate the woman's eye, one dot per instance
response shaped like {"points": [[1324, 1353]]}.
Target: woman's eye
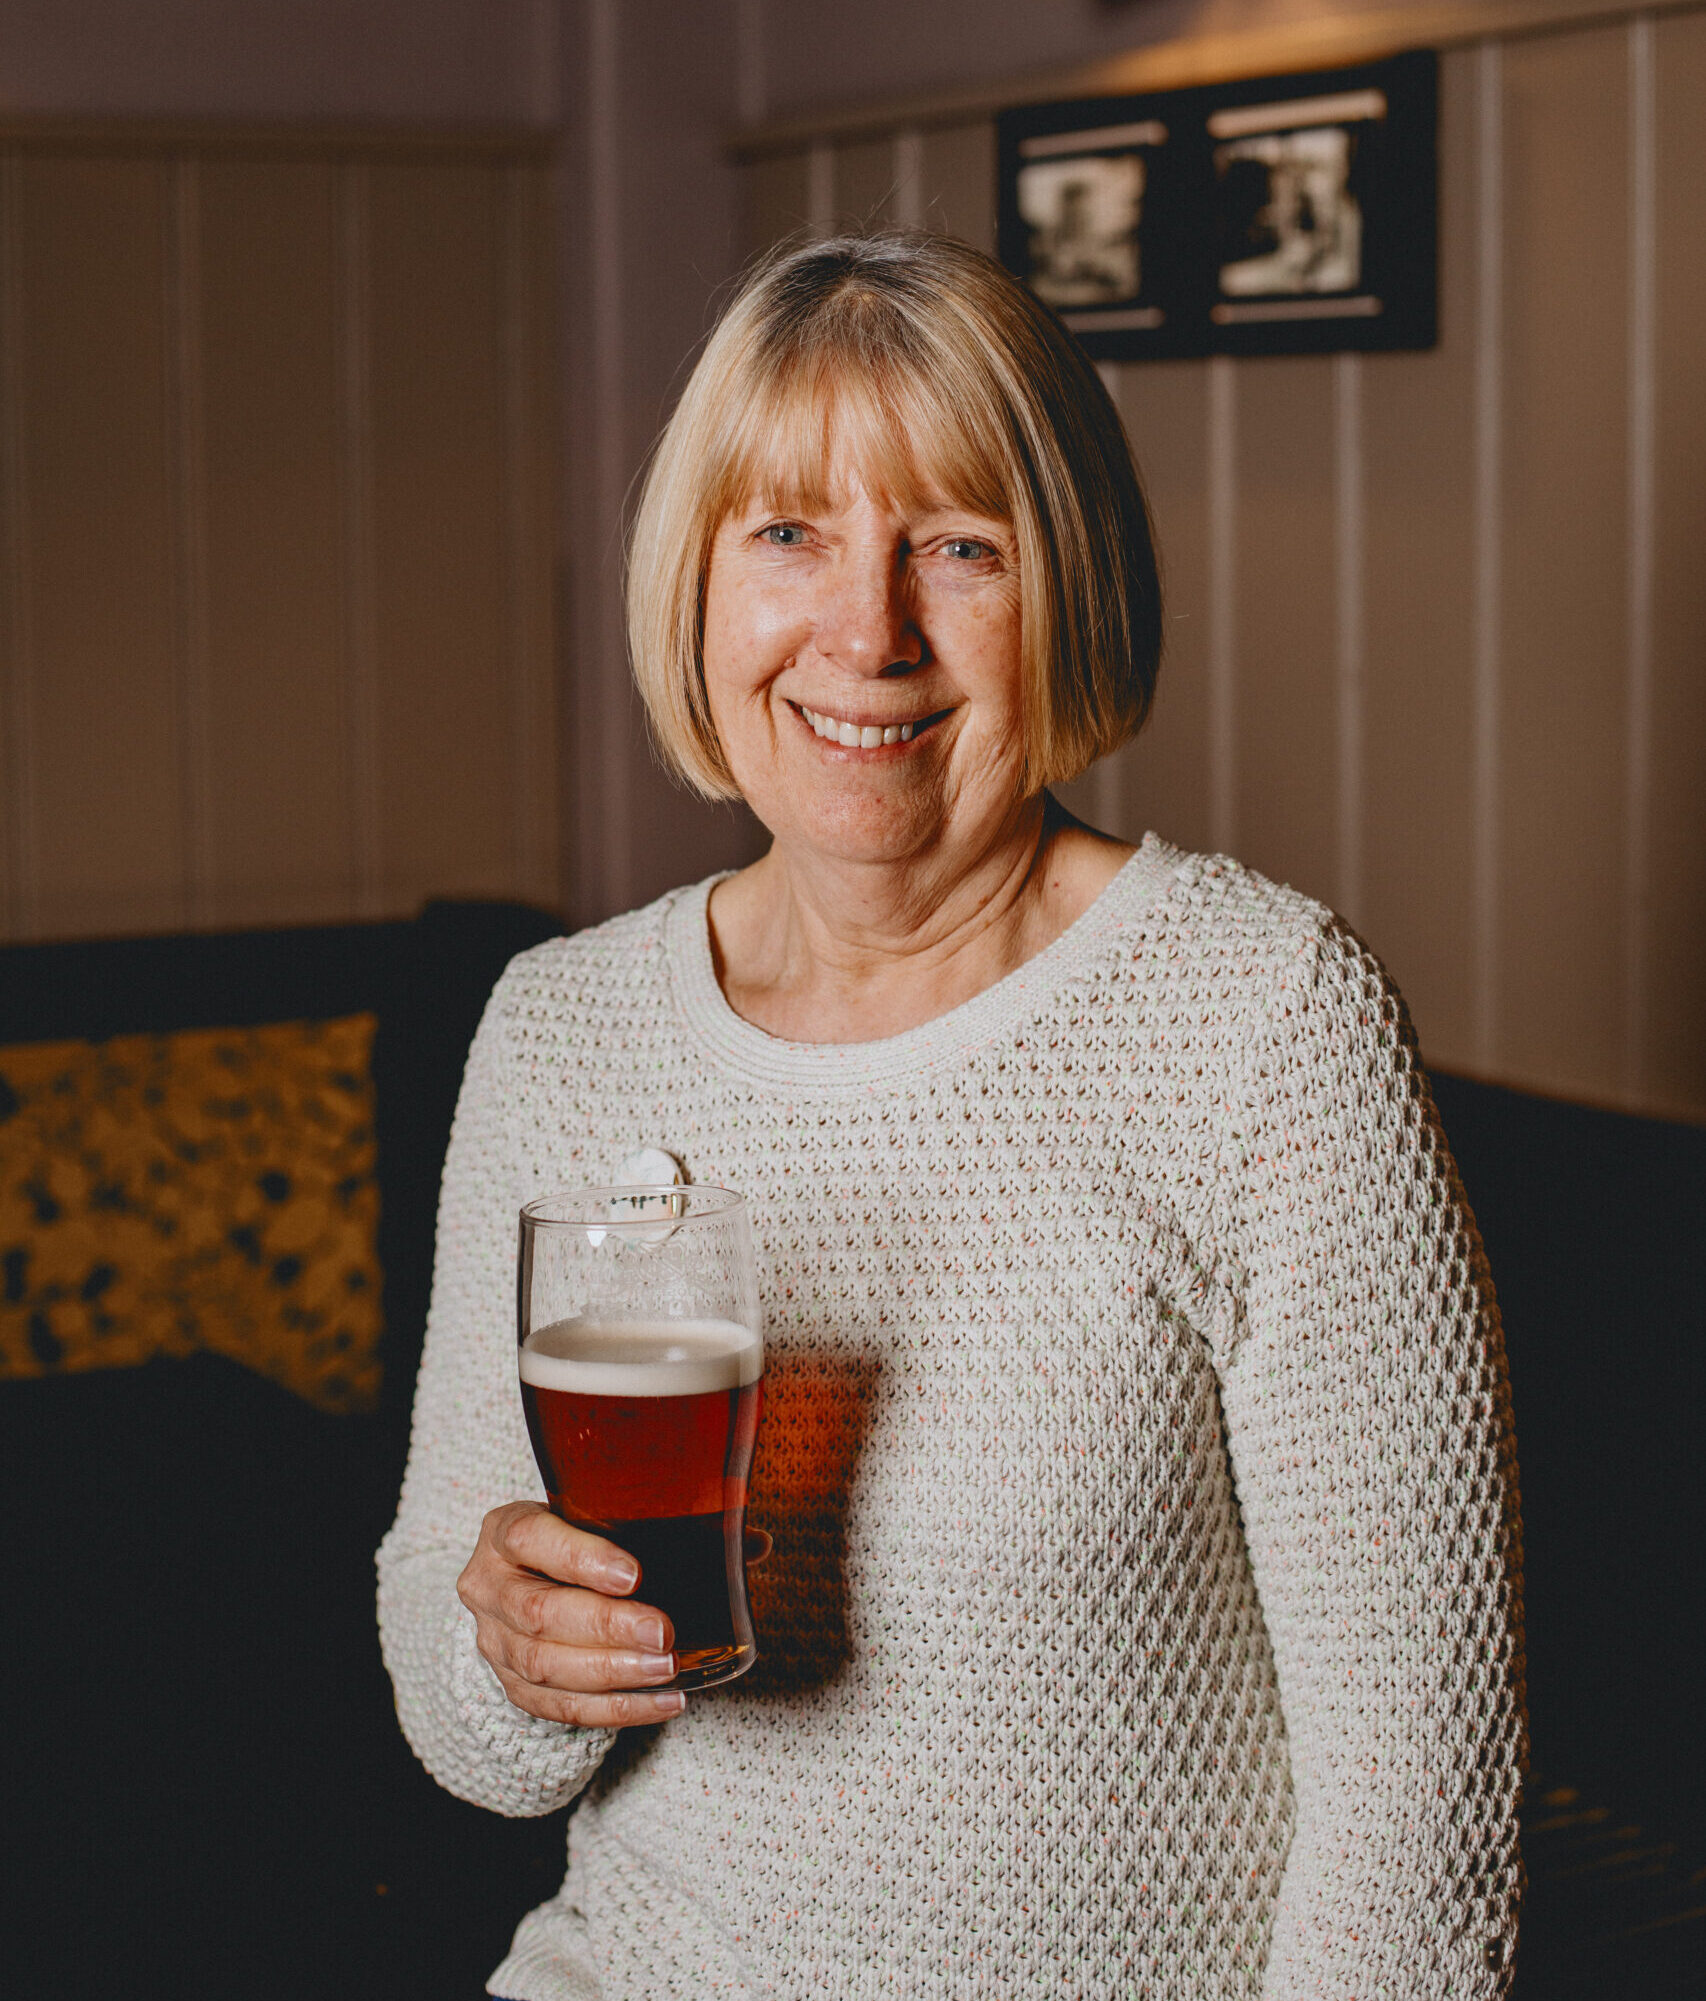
{"points": [[966, 549], [783, 534]]}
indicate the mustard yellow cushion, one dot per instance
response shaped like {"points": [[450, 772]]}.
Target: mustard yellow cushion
{"points": [[212, 1189]]}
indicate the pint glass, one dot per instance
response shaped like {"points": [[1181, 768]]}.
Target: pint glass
{"points": [[642, 1369]]}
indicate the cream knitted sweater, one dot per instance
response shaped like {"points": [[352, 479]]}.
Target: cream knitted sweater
{"points": [[1144, 1613]]}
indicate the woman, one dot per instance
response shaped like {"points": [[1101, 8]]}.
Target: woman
{"points": [[1142, 1618]]}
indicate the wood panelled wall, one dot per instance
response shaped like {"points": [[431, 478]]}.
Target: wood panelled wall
{"points": [[1437, 630], [276, 534]]}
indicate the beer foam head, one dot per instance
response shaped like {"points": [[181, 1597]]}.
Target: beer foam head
{"points": [[642, 1358]]}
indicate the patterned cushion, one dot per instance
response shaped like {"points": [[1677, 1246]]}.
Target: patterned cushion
{"points": [[209, 1189]]}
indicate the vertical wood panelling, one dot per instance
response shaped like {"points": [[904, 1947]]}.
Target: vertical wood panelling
{"points": [[1638, 730], [1487, 717], [820, 189], [959, 179], [98, 492], [276, 497], [1675, 969], [446, 695], [18, 881], [1286, 785], [1418, 821], [187, 456], [775, 201], [529, 486], [650, 227], [864, 185], [911, 196], [604, 801], [1166, 772], [358, 593], [1220, 451], [1563, 644], [281, 828], [1436, 619], [1350, 506]]}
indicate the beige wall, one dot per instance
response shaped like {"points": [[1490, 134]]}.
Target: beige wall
{"points": [[333, 510], [390, 706], [801, 55], [276, 604], [276, 528], [650, 236], [1438, 631], [488, 62]]}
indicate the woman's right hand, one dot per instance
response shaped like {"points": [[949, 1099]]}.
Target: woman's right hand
{"points": [[554, 1621]]}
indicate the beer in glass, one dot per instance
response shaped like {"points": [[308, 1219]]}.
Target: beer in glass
{"points": [[642, 1367]]}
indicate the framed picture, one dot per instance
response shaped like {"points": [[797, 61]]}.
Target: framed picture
{"points": [[1275, 215], [1090, 215]]}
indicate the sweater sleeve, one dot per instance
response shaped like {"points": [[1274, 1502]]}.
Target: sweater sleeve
{"points": [[469, 1453], [1368, 1421]]}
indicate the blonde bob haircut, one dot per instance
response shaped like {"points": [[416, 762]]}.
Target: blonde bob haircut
{"points": [[933, 375]]}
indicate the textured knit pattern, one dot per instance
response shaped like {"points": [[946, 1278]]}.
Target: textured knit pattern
{"points": [[1143, 1619]]}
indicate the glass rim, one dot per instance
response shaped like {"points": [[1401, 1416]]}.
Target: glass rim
{"points": [[688, 1202]]}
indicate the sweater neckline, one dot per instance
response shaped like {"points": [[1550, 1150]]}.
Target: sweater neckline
{"points": [[761, 1058]]}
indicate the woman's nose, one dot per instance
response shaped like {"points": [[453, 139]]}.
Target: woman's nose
{"points": [[866, 623]]}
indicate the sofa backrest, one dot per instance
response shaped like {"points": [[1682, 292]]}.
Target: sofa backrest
{"points": [[205, 1781]]}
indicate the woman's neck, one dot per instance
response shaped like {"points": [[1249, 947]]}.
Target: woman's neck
{"points": [[813, 948]]}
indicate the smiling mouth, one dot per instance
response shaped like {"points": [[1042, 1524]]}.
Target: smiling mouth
{"points": [[849, 735]]}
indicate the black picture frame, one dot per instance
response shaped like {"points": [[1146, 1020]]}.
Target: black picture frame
{"points": [[1293, 214]]}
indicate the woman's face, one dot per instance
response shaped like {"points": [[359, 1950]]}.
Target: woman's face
{"points": [[862, 664]]}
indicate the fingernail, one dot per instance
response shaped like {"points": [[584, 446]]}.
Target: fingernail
{"points": [[671, 1702], [657, 1667], [649, 1632], [619, 1573]]}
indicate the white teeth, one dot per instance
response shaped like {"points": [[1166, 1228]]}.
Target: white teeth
{"points": [[857, 736]]}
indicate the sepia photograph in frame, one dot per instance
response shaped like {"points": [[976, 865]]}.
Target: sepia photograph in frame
{"points": [[1271, 215], [1089, 216], [1324, 232]]}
